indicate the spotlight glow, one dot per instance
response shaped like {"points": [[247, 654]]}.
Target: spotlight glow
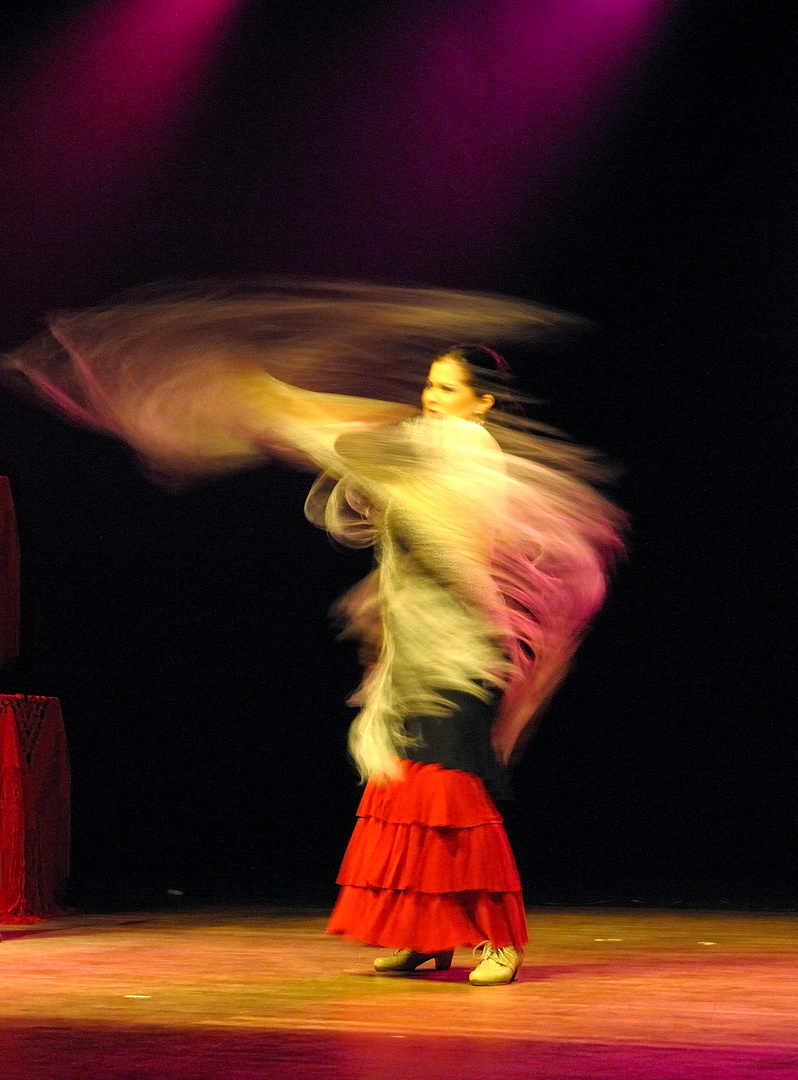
{"points": [[89, 120], [466, 115]]}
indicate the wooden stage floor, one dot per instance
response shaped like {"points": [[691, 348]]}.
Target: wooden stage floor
{"points": [[246, 994]]}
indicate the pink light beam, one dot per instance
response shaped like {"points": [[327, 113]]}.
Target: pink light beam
{"points": [[465, 114], [88, 121]]}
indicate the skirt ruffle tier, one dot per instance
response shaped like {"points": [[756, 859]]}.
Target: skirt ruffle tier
{"points": [[429, 866]]}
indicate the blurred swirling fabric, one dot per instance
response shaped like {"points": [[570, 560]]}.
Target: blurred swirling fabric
{"points": [[494, 544]]}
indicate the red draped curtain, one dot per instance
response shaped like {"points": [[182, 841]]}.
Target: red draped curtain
{"points": [[34, 807]]}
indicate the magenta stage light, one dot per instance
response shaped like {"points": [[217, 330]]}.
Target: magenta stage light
{"points": [[463, 117], [87, 123]]}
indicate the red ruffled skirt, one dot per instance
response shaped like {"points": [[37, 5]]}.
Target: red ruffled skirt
{"points": [[429, 866]]}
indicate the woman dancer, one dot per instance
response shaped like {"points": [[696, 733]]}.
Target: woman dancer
{"points": [[492, 552], [429, 866]]}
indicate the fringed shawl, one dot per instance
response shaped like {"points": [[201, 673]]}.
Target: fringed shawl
{"points": [[493, 544]]}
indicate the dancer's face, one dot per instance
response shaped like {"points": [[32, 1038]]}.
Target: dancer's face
{"points": [[449, 393]]}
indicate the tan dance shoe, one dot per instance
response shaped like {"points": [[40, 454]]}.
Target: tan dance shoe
{"points": [[496, 966], [409, 960]]}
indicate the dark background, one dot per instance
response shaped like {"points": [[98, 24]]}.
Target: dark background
{"points": [[187, 634]]}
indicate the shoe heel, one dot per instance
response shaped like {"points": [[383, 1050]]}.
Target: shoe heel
{"points": [[443, 960]]}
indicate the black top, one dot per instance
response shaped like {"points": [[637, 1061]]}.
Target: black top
{"points": [[461, 741]]}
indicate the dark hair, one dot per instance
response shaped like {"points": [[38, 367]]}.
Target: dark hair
{"points": [[488, 373]]}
